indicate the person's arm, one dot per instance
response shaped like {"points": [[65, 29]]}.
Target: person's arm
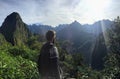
{"points": [[54, 53], [55, 59]]}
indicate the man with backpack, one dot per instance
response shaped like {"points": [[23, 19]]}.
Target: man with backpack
{"points": [[48, 62]]}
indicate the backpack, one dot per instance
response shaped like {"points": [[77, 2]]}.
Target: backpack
{"points": [[48, 61], [44, 58]]}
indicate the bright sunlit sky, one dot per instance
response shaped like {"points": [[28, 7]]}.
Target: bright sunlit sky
{"points": [[55, 12]]}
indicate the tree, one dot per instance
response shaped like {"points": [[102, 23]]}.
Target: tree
{"points": [[112, 64]]}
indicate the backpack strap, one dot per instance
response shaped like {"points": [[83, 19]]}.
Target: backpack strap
{"points": [[53, 53]]}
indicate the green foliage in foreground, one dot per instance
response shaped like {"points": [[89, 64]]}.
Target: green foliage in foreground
{"points": [[14, 64], [24, 52], [112, 67], [20, 63]]}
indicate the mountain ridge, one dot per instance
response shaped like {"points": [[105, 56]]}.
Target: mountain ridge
{"points": [[14, 29], [88, 27]]}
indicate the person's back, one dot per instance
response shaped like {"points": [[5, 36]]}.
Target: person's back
{"points": [[48, 63]]}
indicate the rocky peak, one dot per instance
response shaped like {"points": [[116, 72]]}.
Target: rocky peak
{"points": [[14, 28]]}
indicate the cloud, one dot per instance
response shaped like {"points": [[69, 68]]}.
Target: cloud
{"points": [[53, 12], [114, 9], [49, 12]]}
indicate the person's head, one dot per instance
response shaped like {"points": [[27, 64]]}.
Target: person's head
{"points": [[50, 36]]}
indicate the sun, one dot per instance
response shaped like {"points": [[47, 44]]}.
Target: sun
{"points": [[97, 8], [89, 11]]}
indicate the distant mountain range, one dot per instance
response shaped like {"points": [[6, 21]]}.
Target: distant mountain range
{"points": [[87, 39], [90, 28]]}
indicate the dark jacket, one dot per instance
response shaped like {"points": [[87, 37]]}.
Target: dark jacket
{"points": [[48, 62]]}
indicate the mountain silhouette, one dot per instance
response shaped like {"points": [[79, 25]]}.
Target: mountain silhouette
{"points": [[40, 29], [14, 29]]}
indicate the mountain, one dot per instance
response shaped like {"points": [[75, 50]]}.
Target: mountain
{"points": [[98, 53], [60, 27], [40, 29], [94, 28], [14, 29], [86, 39], [98, 27], [78, 39]]}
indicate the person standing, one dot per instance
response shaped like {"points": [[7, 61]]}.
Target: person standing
{"points": [[48, 61]]}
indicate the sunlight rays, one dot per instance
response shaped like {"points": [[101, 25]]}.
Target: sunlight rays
{"points": [[93, 9], [97, 7], [104, 31]]}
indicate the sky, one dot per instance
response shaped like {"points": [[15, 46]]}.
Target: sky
{"points": [[55, 12]]}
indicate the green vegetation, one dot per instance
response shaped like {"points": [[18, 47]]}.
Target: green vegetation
{"points": [[18, 63], [112, 64]]}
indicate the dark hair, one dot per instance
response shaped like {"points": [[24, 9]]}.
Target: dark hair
{"points": [[50, 35]]}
